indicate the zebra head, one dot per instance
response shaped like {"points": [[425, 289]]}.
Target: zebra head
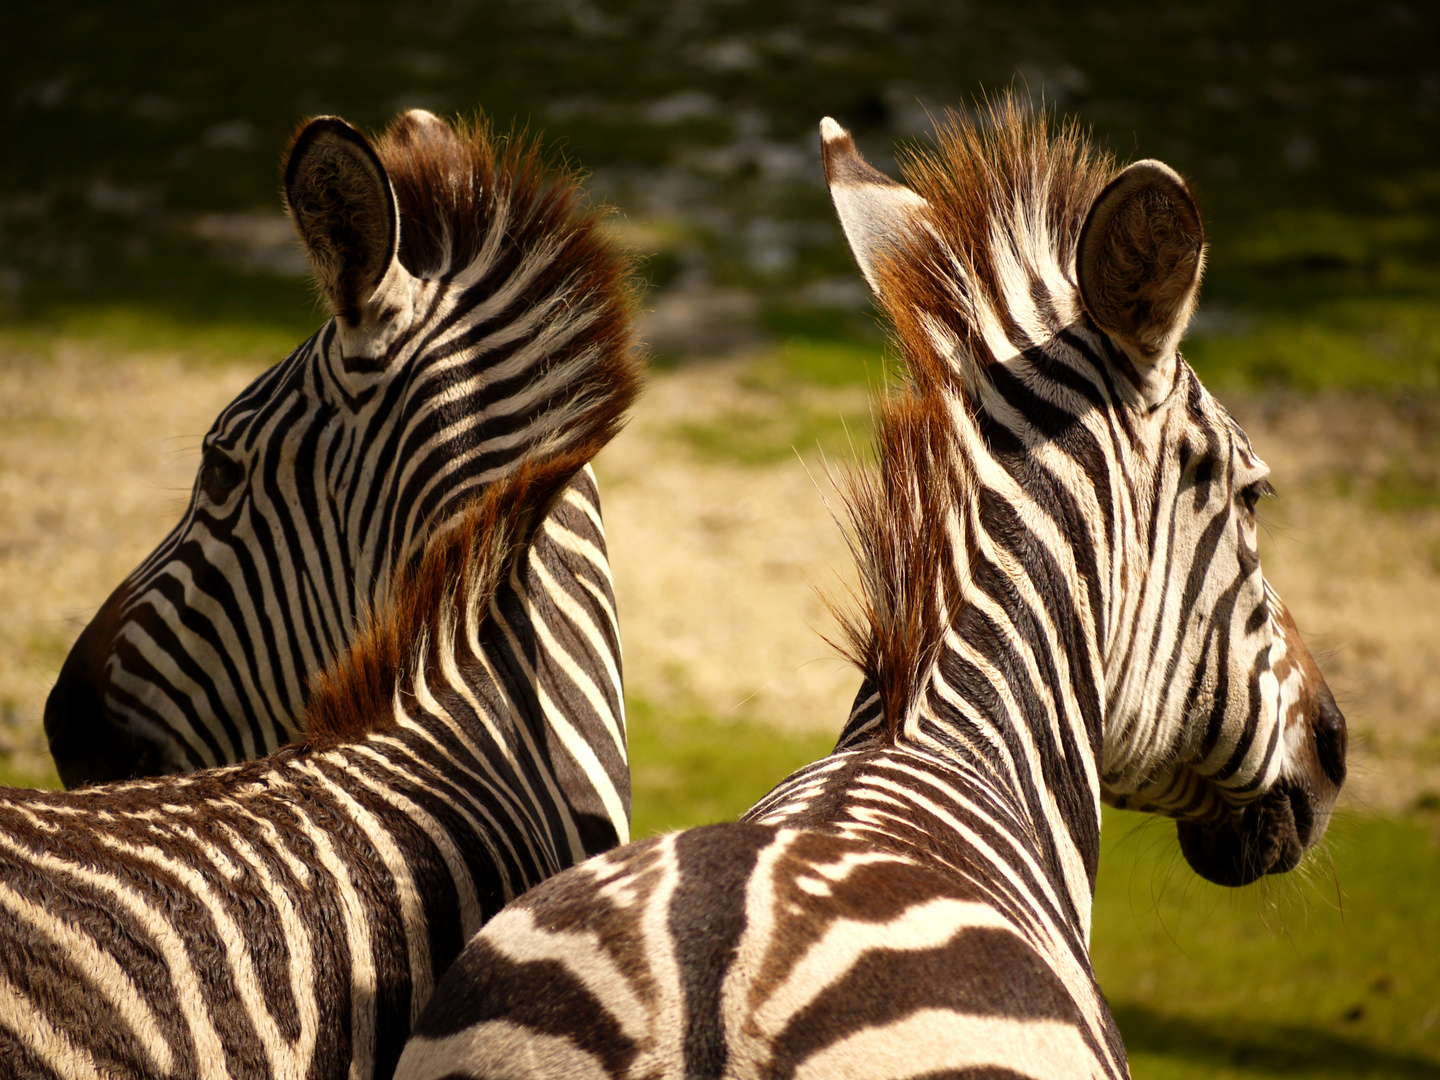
{"points": [[1089, 491], [473, 301]]}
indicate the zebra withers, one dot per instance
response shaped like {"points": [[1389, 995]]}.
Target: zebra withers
{"points": [[468, 286], [288, 917], [1061, 604]]}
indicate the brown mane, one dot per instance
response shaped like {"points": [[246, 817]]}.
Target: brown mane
{"points": [[1007, 181], [454, 194], [989, 184], [458, 573]]}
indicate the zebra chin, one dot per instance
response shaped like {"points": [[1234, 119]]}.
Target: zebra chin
{"points": [[1272, 834], [91, 747]]}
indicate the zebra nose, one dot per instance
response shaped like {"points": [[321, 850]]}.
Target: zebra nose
{"points": [[88, 747], [88, 744], [1330, 737]]}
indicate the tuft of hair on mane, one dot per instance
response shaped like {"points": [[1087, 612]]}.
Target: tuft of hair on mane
{"points": [[462, 189], [1008, 190], [898, 516], [454, 580]]}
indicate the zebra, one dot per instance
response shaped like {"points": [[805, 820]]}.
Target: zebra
{"points": [[465, 279], [288, 917], [1060, 604]]}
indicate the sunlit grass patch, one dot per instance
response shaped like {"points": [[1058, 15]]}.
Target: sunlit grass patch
{"points": [[762, 437], [1326, 972], [11, 776], [1355, 343], [121, 329], [820, 362], [805, 396], [688, 767]]}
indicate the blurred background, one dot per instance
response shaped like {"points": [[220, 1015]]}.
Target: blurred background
{"points": [[146, 274]]}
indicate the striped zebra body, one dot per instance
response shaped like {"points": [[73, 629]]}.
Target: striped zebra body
{"points": [[1061, 604], [288, 917], [468, 288]]}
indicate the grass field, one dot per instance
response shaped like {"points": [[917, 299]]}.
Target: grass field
{"points": [[142, 283]]}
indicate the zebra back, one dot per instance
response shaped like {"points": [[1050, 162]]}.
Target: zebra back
{"points": [[288, 917], [1060, 603], [478, 308]]}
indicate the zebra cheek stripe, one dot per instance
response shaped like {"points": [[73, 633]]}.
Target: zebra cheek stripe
{"points": [[1060, 603]]}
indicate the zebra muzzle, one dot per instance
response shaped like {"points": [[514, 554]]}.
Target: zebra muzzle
{"points": [[1270, 836]]}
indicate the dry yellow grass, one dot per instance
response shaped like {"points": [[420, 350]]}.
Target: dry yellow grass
{"points": [[715, 563], [97, 455]]}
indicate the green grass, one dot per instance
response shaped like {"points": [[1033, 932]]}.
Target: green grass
{"points": [[807, 399], [10, 776], [1328, 972], [687, 768], [802, 361], [763, 437], [146, 328], [1350, 343]]}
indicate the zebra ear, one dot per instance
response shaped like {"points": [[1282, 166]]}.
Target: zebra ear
{"points": [[342, 205], [1139, 261], [876, 213]]}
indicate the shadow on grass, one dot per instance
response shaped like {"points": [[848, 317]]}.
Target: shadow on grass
{"points": [[1261, 1049]]}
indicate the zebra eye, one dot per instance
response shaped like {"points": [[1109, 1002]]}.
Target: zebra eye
{"points": [[220, 474], [1251, 494]]}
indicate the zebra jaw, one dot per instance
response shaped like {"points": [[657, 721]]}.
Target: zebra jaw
{"points": [[1272, 834]]}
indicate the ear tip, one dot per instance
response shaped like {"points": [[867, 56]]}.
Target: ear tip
{"points": [[1150, 172], [315, 131], [318, 127], [830, 131]]}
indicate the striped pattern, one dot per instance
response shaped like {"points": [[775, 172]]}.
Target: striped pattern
{"points": [[1060, 603], [487, 287], [289, 917]]}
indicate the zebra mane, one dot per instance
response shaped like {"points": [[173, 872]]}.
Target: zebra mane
{"points": [[471, 202], [440, 600], [995, 266], [992, 265], [467, 195]]}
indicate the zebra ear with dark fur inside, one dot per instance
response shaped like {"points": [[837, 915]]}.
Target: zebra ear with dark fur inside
{"points": [[1139, 261], [876, 213], [342, 205]]}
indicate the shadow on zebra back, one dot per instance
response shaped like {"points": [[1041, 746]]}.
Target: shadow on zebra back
{"points": [[288, 917], [470, 288], [1060, 605]]}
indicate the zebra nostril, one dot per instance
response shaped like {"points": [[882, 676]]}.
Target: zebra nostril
{"points": [[1330, 737]]}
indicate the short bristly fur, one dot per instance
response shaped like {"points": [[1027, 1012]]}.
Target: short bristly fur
{"points": [[1061, 603], [908, 591], [288, 917]]}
